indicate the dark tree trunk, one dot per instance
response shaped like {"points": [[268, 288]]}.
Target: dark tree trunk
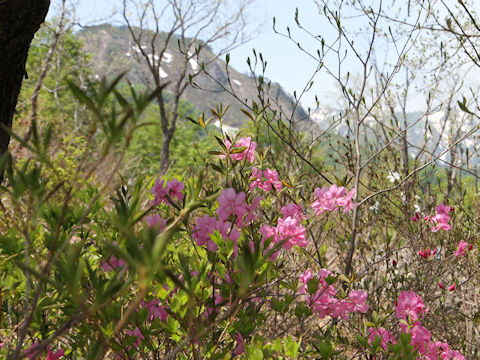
{"points": [[165, 152], [19, 21]]}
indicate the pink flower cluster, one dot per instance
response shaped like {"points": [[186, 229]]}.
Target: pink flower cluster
{"points": [[441, 218], [324, 301], [462, 248], [155, 310], [207, 225], [232, 205], [172, 189], [411, 309], [155, 221], [248, 153], [331, 198], [138, 334], [293, 210], [240, 348], [289, 229], [50, 354], [385, 336], [112, 264], [270, 176]]}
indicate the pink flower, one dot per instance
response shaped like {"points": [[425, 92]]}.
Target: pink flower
{"points": [[462, 247], [112, 264], [331, 198], [155, 310], [256, 177], [271, 178], [54, 356], [385, 336], [340, 308], [240, 348], [455, 355], [324, 301], [248, 153], [427, 254], [443, 209], [441, 285], [410, 307], [438, 350], [231, 203], [420, 338], [416, 217], [294, 211], [138, 334], [451, 288], [50, 354], [288, 229], [307, 275], [250, 212], [358, 299], [156, 221], [441, 218], [205, 226], [159, 192], [172, 189]]}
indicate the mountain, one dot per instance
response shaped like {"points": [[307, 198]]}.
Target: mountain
{"points": [[437, 129], [113, 51]]}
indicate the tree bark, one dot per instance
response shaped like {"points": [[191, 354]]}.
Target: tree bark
{"points": [[19, 21], [165, 152]]}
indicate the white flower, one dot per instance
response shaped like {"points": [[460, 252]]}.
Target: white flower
{"points": [[416, 207], [376, 206], [393, 176]]}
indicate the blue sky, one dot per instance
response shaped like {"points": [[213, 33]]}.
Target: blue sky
{"points": [[287, 65]]}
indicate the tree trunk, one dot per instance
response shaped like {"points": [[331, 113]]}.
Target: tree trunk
{"points": [[19, 21], [165, 152]]}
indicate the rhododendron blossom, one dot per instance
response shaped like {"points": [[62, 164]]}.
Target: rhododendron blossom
{"points": [[416, 217], [271, 178], [138, 334], [441, 218], [156, 221], [112, 264], [207, 225], [288, 230], [427, 253], [155, 310], [462, 248], [331, 198], [248, 153], [324, 301], [385, 336], [294, 211], [240, 348], [50, 354], [410, 307], [231, 203], [172, 189]]}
